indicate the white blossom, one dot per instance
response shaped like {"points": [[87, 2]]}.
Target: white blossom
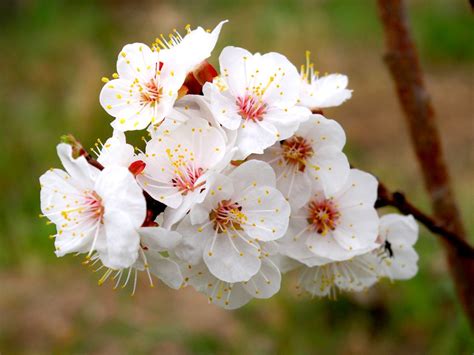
{"points": [[257, 96], [264, 284], [322, 91], [241, 210], [398, 258], [353, 275], [145, 89], [395, 258], [337, 226], [188, 51], [154, 241], [93, 210], [312, 156], [115, 151], [180, 166]]}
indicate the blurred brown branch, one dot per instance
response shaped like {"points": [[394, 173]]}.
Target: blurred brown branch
{"points": [[403, 63]]}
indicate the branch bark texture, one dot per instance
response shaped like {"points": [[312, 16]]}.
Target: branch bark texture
{"points": [[404, 66]]}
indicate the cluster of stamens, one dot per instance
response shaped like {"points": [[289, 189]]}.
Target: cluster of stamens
{"points": [[251, 108], [323, 216], [307, 72], [185, 179], [166, 43], [93, 204], [296, 151], [151, 93], [226, 215]]}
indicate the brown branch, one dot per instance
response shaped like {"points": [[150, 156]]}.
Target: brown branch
{"points": [[403, 63]]}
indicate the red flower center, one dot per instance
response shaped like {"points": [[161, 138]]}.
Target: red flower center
{"points": [[227, 214], [323, 216], [296, 151]]}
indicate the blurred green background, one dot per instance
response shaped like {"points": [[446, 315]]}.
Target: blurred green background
{"points": [[53, 56]]}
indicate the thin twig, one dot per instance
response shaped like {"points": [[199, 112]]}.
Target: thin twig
{"points": [[399, 201]]}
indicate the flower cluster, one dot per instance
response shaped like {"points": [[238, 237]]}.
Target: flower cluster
{"points": [[239, 182]]}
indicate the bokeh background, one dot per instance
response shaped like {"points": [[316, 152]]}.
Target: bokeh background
{"points": [[53, 54]]}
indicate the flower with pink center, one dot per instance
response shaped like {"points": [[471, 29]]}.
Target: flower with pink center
{"points": [[226, 230], [144, 90], [337, 226], [180, 165], [322, 91], [256, 95], [94, 211], [312, 156]]}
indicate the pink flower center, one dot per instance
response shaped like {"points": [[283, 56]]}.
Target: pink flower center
{"points": [[323, 216], [227, 214], [151, 93], [296, 151], [94, 206], [185, 180], [251, 108]]}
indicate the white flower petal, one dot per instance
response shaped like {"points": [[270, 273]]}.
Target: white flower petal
{"points": [[254, 137], [118, 190], [165, 269], [322, 132], [223, 106], [80, 170], [137, 60], [195, 47], [267, 213], [326, 91], [231, 258], [223, 294], [330, 168], [191, 249], [357, 228], [285, 83], [159, 239], [116, 151], [252, 173], [399, 229], [234, 63], [284, 263], [123, 240], [266, 282], [360, 190]]}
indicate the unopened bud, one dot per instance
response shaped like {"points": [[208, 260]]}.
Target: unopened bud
{"points": [[137, 167], [77, 149], [205, 72]]}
